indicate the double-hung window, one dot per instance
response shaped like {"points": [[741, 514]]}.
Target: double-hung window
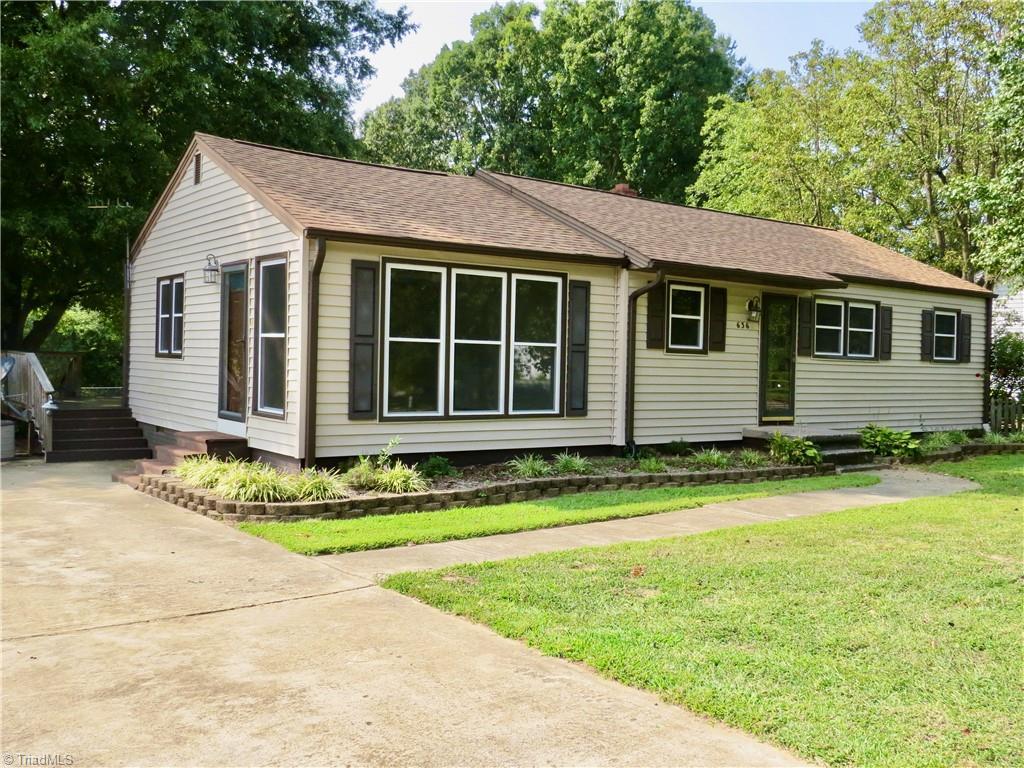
{"points": [[828, 328], [170, 327], [860, 335], [271, 350], [477, 356], [536, 343], [414, 326], [945, 336], [686, 317]]}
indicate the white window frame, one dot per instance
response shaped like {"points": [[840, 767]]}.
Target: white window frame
{"points": [[841, 327], [557, 345], [261, 407], [672, 288], [165, 346], [390, 267], [954, 335], [500, 343], [872, 330]]}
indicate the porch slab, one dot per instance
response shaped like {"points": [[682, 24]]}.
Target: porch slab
{"points": [[812, 432]]}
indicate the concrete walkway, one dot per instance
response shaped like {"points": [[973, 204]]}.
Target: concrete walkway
{"points": [[895, 486], [137, 633]]}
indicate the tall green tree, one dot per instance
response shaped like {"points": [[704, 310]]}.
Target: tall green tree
{"points": [[99, 100], [596, 92], [899, 135]]}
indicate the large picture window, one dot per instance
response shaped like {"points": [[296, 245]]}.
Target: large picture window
{"points": [[945, 336], [686, 317], [271, 322], [460, 341], [170, 326], [861, 330], [828, 328]]}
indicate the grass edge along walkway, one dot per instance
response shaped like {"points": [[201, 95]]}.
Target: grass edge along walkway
{"points": [[881, 635], [316, 537]]}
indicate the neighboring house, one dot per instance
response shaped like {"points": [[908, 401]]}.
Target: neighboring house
{"points": [[317, 306], [1008, 310]]}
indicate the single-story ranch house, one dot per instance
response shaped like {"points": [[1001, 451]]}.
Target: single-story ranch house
{"points": [[317, 306]]}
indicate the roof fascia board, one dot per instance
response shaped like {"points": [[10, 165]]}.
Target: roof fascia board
{"points": [[747, 276], [977, 292], [635, 257], [339, 236]]}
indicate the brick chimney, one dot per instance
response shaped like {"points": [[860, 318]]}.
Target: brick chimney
{"points": [[624, 189]]}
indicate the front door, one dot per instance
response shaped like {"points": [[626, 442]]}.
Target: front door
{"points": [[233, 322], [778, 347]]}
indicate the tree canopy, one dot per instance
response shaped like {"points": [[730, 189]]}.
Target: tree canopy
{"points": [[100, 99], [596, 92], [905, 144]]}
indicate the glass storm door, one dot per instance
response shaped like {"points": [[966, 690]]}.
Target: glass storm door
{"points": [[778, 343], [233, 323]]}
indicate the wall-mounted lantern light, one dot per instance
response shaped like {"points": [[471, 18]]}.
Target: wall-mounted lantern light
{"points": [[212, 269], [754, 310]]}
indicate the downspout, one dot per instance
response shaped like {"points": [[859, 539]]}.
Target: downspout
{"points": [[313, 340], [634, 298], [986, 408]]}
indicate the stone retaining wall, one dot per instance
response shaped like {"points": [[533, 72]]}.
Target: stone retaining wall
{"points": [[171, 489], [960, 452]]}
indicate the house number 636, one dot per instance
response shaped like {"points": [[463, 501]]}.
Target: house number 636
{"points": [[742, 324]]}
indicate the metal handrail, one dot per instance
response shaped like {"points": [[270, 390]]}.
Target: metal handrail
{"points": [[28, 390]]}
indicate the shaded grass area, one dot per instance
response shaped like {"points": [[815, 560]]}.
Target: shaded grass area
{"points": [[888, 635], [312, 537]]}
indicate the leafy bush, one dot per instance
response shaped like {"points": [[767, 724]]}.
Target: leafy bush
{"points": [[711, 458], [751, 458], [313, 484], [399, 478], [884, 441], [363, 475], [202, 471], [530, 465], [793, 450], [677, 447], [437, 466], [97, 335], [252, 481], [572, 464], [651, 465]]}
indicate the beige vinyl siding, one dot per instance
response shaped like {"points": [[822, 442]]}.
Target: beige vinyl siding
{"points": [[905, 391], [215, 216], [336, 436], [697, 397]]}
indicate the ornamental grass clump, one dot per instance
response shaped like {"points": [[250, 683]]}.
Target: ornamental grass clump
{"points": [[202, 471], [313, 484], [710, 458], [751, 459], [253, 481], [572, 464], [651, 465], [530, 465], [399, 478]]}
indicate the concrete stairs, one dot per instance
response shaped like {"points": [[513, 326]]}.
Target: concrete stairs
{"points": [[837, 446], [170, 447], [96, 434]]}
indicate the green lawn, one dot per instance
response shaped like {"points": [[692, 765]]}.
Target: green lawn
{"points": [[314, 537], [889, 635]]}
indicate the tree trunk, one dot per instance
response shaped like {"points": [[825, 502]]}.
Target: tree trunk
{"points": [[43, 327]]}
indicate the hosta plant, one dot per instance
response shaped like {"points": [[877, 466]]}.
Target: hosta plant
{"points": [[793, 450]]}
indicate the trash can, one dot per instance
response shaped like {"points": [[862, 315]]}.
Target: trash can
{"points": [[6, 439]]}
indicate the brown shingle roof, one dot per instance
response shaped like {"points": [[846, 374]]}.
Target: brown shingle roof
{"points": [[517, 214], [697, 237], [344, 196]]}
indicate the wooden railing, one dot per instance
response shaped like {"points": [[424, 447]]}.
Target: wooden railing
{"points": [[27, 392], [1006, 415], [65, 372]]}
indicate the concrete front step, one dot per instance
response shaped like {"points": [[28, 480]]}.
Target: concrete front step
{"points": [[845, 456], [868, 467], [173, 454]]}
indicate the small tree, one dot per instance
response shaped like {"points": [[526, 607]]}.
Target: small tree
{"points": [[1007, 365]]}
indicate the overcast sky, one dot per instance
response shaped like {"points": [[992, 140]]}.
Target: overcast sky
{"points": [[766, 34]]}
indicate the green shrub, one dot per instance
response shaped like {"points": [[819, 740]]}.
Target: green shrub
{"points": [[399, 478], [1015, 437], [572, 464], [313, 484], [751, 458], [885, 441], [994, 438], [710, 458], [651, 465], [1007, 364], [530, 465], [793, 450], [959, 437], [363, 475], [253, 481], [437, 466], [937, 441], [677, 447], [202, 471]]}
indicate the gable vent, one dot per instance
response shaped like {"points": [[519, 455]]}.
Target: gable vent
{"points": [[198, 168]]}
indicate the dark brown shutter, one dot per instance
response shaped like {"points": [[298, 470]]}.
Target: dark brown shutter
{"points": [[805, 327], [964, 342], [717, 298], [885, 333], [656, 318], [362, 375], [579, 334], [927, 333]]}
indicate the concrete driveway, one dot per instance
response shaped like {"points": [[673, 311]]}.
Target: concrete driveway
{"points": [[138, 633]]}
